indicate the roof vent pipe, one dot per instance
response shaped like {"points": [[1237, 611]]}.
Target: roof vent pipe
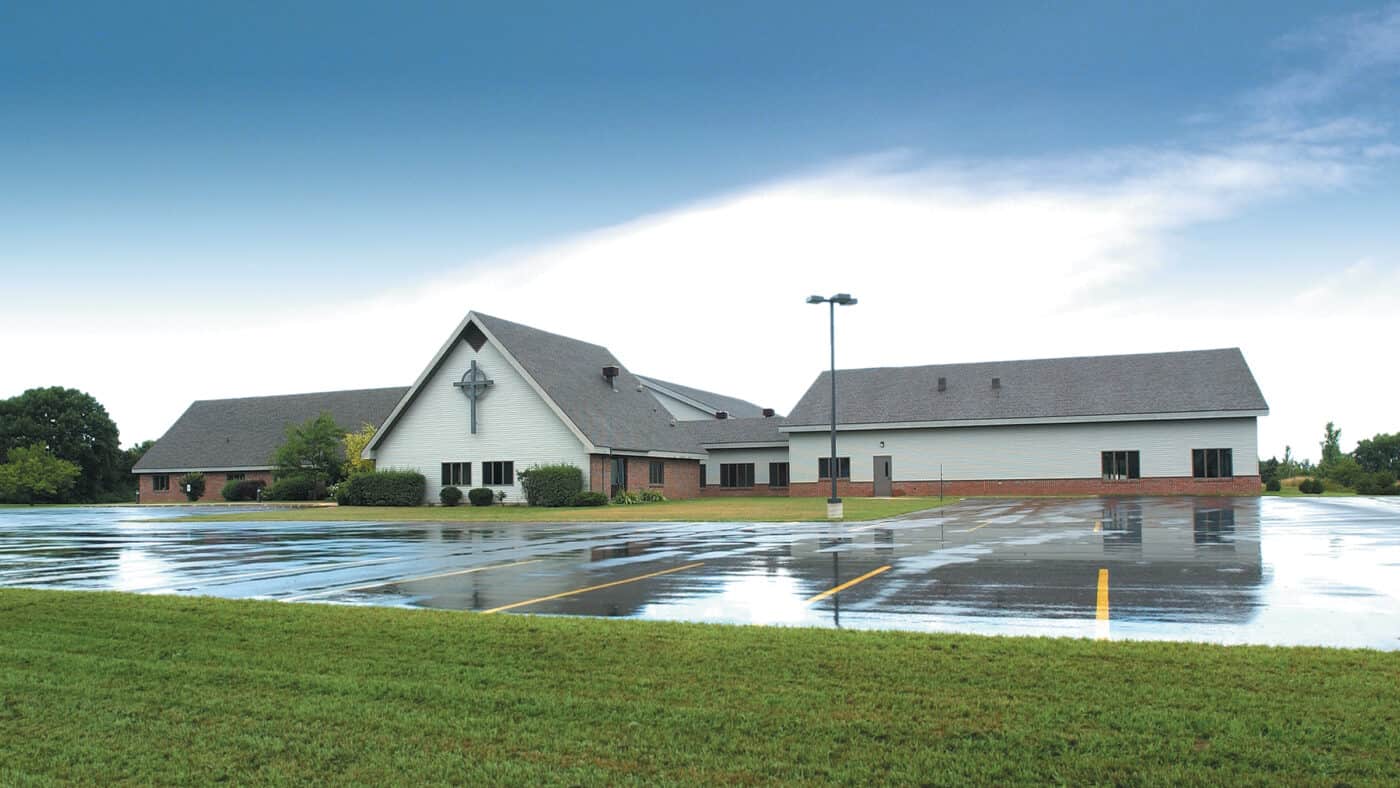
{"points": [[942, 384], [768, 413], [996, 383], [610, 372], [721, 414]]}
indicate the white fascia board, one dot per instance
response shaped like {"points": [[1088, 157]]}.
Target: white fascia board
{"points": [[754, 445], [432, 367], [204, 469], [925, 425], [673, 455], [676, 395]]}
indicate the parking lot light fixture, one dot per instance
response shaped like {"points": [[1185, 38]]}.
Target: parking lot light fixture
{"points": [[834, 508]]}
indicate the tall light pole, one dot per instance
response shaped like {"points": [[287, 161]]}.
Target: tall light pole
{"points": [[833, 504]]}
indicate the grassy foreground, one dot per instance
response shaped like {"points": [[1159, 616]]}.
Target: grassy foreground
{"points": [[105, 687], [759, 510]]}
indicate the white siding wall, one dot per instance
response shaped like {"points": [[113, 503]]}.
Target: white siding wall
{"points": [[1048, 451], [759, 457], [680, 410], [513, 423]]}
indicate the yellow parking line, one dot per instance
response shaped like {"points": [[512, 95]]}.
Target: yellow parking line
{"points": [[847, 584], [398, 581], [593, 588], [1102, 614]]}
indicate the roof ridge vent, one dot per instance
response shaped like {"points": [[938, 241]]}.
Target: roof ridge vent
{"points": [[721, 414], [610, 373], [942, 384], [768, 413], [996, 383]]}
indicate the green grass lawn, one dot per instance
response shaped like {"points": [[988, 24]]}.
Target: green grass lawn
{"points": [[690, 510], [106, 687], [1290, 490]]}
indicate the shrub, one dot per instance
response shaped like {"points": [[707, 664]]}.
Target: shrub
{"points": [[1378, 483], [242, 489], [1345, 470], [450, 496], [650, 496], [589, 498], [1273, 485], [500, 496], [551, 485], [383, 488], [481, 496], [1310, 487], [192, 485], [292, 488], [626, 498]]}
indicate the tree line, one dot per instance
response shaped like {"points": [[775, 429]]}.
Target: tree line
{"points": [[1371, 468], [59, 445]]}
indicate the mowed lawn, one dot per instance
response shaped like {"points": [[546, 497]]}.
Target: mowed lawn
{"points": [[106, 687], [761, 510]]}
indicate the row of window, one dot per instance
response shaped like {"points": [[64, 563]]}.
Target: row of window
{"points": [[493, 474], [741, 474], [160, 482]]}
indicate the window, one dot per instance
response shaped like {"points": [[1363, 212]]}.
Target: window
{"points": [[1119, 465], [498, 474], [456, 473], [1212, 463], [736, 474], [656, 472], [843, 467], [702, 474], [234, 477], [160, 482], [777, 474]]}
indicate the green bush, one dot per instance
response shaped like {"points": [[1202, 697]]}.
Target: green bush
{"points": [[589, 498], [450, 496], [292, 488], [192, 485], [1378, 483], [1345, 470], [481, 496], [650, 496], [626, 498], [383, 488], [551, 485], [1273, 485], [242, 489], [1310, 487]]}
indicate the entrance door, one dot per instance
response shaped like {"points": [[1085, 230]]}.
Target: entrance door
{"points": [[619, 475], [883, 477]]}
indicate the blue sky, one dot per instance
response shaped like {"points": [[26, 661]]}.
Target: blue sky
{"points": [[192, 175]]}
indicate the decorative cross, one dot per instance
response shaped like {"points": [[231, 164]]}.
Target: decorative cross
{"points": [[474, 384]]}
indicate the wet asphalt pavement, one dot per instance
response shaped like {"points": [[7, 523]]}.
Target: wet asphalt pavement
{"points": [[1320, 571]]}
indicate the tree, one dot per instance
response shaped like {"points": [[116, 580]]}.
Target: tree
{"points": [[33, 474], [355, 443], [192, 485], [1331, 446], [74, 427], [1379, 453], [313, 450]]}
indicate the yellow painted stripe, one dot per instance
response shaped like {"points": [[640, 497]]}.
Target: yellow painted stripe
{"points": [[848, 584], [593, 588], [410, 579], [1102, 614]]}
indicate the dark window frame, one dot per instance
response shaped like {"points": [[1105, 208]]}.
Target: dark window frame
{"points": [[456, 474], [656, 473], [235, 476], [736, 475], [1216, 463], [702, 474], [1120, 465], [779, 474], [160, 482], [843, 468], [498, 473]]}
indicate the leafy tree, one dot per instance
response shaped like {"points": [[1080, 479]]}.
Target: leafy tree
{"points": [[192, 485], [1380, 453], [312, 450], [1331, 445], [1345, 470], [1269, 469], [74, 427], [34, 475], [355, 443]]}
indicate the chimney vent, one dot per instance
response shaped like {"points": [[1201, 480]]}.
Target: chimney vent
{"points": [[611, 372], [996, 383], [723, 414], [942, 384], [768, 413]]}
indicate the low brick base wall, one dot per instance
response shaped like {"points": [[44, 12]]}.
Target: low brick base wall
{"points": [[1172, 485], [715, 491]]}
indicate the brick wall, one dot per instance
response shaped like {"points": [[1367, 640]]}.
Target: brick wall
{"points": [[213, 486], [682, 477], [716, 491], [1174, 485]]}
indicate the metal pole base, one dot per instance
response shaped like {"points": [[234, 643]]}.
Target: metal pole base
{"points": [[835, 510]]}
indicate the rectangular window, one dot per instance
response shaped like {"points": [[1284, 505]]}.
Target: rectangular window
{"points": [[160, 482], [702, 474], [234, 477], [1212, 463], [456, 474], [498, 474], [736, 474], [843, 467], [777, 474], [1119, 465], [656, 472]]}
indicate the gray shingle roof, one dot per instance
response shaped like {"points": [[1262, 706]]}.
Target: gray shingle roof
{"points": [[571, 372], [721, 431], [1149, 383], [243, 433], [735, 407]]}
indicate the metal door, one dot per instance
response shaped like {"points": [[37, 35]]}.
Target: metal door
{"points": [[883, 477]]}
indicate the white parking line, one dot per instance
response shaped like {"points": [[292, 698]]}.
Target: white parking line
{"points": [[398, 581]]}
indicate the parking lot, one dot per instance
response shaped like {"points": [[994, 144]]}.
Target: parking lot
{"points": [[1248, 570]]}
